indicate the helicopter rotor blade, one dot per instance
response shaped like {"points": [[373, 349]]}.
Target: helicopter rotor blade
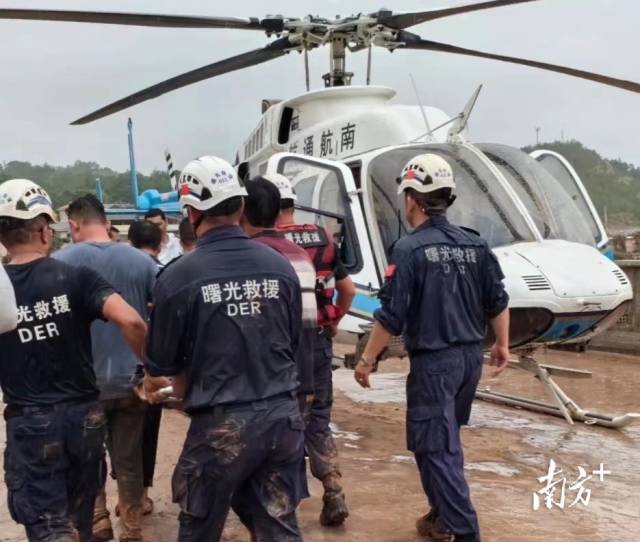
{"points": [[405, 20], [412, 41], [274, 50], [144, 19]]}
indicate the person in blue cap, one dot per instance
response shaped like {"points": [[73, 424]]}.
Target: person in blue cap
{"points": [[442, 287]]}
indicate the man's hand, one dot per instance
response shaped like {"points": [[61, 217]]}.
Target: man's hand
{"points": [[151, 386], [499, 358], [362, 372]]}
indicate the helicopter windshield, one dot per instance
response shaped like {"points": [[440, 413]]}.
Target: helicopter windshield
{"points": [[555, 212], [482, 203], [555, 166]]}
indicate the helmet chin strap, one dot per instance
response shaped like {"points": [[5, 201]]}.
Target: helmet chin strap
{"points": [[195, 223]]}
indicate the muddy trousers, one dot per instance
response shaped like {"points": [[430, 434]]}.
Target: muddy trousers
{"points": [[53, 469], [319, 444], [125, 423], [440, 390], [246, 457]]}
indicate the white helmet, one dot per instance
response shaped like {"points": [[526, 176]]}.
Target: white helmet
{"points": [[24, 200], [427, 173], [208, 181], [283, 184]]}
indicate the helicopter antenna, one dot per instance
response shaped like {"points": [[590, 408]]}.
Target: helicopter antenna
{"points": [[422, 109], [463, 119]]}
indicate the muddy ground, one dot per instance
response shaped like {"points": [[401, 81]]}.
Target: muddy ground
{"points": [[506, 450]]}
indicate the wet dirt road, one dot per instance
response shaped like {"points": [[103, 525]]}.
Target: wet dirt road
{"points": [[506, 450]]}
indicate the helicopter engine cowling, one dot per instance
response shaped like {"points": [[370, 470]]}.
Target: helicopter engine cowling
{"points": [[556, 299]]}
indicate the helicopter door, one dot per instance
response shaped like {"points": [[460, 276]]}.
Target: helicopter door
{"points": [[563, 172], [326, 194]]}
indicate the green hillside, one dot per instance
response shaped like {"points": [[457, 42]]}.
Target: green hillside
{"points": [[65, 183], [611, 183]]}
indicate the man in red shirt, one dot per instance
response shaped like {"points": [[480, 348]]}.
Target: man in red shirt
{"points": [[262, 207], [331, 279]]}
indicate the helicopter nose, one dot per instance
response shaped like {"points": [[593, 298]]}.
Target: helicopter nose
{"points": [[573, 270]]}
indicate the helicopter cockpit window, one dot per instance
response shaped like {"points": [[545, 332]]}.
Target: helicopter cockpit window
{"points": [[554, 166], [482, 203], [323, 200], [556, 214]]}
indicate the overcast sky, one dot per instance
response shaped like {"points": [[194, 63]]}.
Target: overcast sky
{"points": [[52, 73]]}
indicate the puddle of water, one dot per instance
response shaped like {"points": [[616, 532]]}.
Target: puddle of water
{"points": [[344, 435], [385, 387], [501, 469], [403, 459]]}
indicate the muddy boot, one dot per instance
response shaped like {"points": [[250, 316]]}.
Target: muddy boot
{"points": [[334, 509], [431, 528], [102, 529], [147, 505], [130, 522]]}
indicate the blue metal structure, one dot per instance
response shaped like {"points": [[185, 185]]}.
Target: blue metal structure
{"points": [[149, 199]]}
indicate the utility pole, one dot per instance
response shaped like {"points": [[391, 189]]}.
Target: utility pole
{"points": [[537, 135]]}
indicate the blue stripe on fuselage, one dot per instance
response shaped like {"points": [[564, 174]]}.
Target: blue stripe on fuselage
{"points": [[363, 302]]}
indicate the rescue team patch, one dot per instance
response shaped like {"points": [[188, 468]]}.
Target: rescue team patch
{"points": [[391, 269], [307, 237], [241, 298], [31, 319], [446, 257]]}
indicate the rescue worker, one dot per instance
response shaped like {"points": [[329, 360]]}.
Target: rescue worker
{"points": [[133, 275], [261, 210], [331, 277], [442, 287], [8, 308], [54, 422], [170, 248], [225, 325]]}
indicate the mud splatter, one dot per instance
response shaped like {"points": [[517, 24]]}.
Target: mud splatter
{"points": [[226, 440], [278, 503]]}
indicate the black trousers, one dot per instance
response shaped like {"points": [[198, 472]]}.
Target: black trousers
{"points": [[150, 435], [54, 469]]}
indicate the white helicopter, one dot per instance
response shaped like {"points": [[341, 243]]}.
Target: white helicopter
{"points": [[344, 146]]}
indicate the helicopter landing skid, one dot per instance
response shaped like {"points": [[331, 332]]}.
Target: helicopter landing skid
{"points": [[564, 406]]}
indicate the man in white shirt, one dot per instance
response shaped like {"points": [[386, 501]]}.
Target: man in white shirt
{"points": [[171, 247]]}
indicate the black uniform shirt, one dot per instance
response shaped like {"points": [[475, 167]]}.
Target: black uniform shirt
{"points": [[47, 360], [229, 315], [442, 286]]}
